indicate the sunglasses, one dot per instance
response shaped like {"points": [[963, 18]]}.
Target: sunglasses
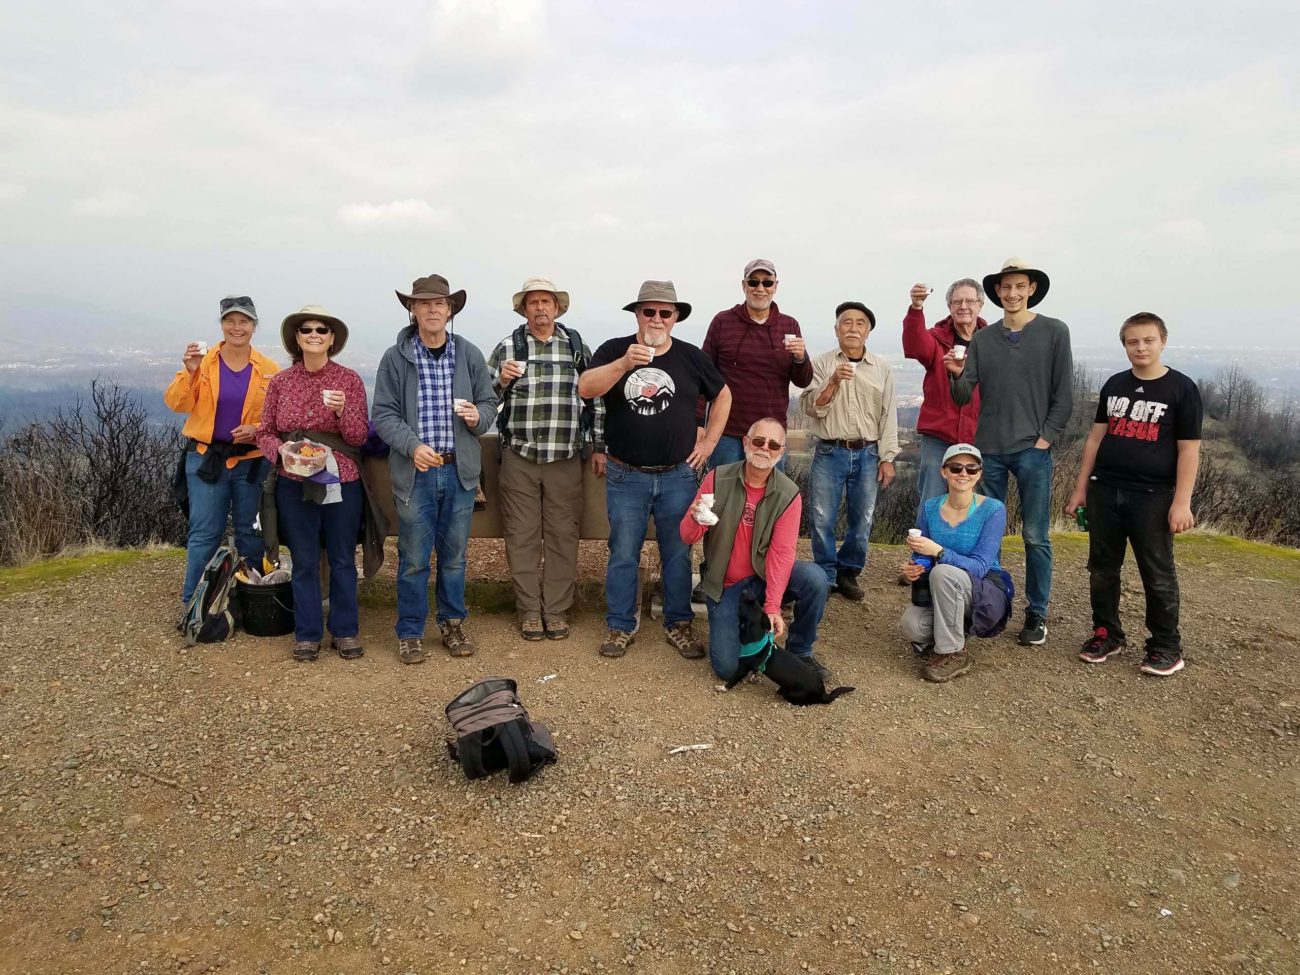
{"points": [[650, 314], [317, 329], [761, 282], [228, 303], [968, 468], [765, 442]]}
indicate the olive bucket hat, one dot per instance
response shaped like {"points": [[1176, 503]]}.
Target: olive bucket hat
{"points": [[660, 291]]}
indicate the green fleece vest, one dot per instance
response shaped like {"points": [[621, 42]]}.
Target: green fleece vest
{"points": [[729, 505]]}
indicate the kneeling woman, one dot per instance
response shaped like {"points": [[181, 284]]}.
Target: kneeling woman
{"points": [[960, 535], [325, 402]]}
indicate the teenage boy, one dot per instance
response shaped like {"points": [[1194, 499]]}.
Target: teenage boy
{"points": [[1139, 465]]}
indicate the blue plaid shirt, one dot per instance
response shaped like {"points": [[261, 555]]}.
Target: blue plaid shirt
{"points": [[436, 374]]}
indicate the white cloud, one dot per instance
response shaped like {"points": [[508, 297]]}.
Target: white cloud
{"points": [[108, 203], [487, 30], [397, 213], [11, 192]]}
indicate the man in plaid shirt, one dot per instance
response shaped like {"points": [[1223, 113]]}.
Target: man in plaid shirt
{"points": [[545, 431]]}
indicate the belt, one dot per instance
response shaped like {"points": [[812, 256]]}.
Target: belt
{"points": [[851, 444], [648, 469]]}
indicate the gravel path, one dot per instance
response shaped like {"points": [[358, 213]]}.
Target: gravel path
{"points": [[222, 808]]}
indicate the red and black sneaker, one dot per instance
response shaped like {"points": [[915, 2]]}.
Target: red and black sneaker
{"points": [[1162, 663], [1100, 647]]}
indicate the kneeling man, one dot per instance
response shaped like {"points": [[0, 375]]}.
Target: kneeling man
{"points": [[752, 548]]}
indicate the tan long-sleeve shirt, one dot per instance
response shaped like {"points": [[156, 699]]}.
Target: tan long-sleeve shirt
{"points": [[862, 409]]}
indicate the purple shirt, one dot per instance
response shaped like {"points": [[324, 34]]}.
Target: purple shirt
{"points": [[232, 390]]}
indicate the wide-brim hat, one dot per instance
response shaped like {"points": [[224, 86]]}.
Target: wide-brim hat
{"points": [[540, 284], [1016, 265], [312, 313], [957, 449], [433, 286], [660, 291]]}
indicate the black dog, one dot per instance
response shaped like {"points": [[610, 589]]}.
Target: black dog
{"points": [[798, 683]]}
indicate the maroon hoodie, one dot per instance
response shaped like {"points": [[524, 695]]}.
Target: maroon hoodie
{"points": [[940, 416], [755, 364]]}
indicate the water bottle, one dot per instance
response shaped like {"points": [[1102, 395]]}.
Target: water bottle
{"points": [[1081, 517]]}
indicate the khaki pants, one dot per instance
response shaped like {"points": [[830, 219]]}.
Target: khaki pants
{"points": [[541, 507]]}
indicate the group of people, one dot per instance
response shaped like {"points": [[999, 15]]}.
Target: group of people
{"points": [[649, 412]]}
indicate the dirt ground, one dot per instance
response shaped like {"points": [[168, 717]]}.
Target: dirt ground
{"points": [[225, 809]]}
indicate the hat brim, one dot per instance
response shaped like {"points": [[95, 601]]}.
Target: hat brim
{"points": [[289, 327], [1035, 275], [457, 299], [683, 308], [561, 300]]}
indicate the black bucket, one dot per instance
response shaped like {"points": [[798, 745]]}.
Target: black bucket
{"points": [[267, 610]]}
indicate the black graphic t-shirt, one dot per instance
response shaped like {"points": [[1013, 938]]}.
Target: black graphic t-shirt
{"points": [[650, 412], [1145, 419]]}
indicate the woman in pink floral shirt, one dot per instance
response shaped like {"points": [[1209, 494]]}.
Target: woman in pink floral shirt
{"points": [[325, 402]]}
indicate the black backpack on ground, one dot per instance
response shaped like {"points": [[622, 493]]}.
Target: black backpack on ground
{"points": [[494, 732], [209, 617]]}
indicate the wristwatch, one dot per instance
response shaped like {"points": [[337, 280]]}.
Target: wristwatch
{"points": [[939, 555]]}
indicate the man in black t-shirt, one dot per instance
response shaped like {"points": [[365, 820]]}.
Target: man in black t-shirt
{"points": [[650, 383], [1139, 466]]}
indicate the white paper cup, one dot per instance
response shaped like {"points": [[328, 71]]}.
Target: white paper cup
{"points": [[459, 404], [203, 347], [788, 338], [707, 500], [959, 352], [914, 533], [326, 395], [523, 366], [853, 367], [706, 517]]}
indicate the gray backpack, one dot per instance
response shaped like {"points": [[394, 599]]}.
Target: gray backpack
{"points": [[494, 732]]}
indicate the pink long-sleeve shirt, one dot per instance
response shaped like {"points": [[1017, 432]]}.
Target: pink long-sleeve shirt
{"points": [[780, 553], [293, 402]]}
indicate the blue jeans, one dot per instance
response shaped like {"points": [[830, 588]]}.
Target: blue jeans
{"points": [[808, 589], [308, 526], [731, 450], [1033, 472], [631, 497], [929, 482], [436, 516], [838, 472], [231, 496]]}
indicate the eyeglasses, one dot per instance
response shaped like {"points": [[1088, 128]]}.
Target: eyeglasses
{"points": [[968, 468], [317, 329], [228, 303], [765, 442], [651, 314], [964, 301], [761, 282]]}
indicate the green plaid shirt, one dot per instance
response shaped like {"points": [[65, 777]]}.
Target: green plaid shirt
{"points": [[544, 410]]}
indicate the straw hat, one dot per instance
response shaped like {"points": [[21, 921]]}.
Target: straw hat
{"points": [[1016, 265], [540, 284], [312, 313]]}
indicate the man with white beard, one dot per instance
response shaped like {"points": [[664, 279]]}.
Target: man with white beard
{"points": [[750, 531]]}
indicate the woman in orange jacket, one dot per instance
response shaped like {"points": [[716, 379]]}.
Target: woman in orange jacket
{"points": [[222, 391]]}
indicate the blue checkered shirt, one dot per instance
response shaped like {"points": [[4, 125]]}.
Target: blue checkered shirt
{"points": [[436, 374]]}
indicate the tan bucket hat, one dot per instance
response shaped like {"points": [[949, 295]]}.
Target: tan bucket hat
{"points": [[540, 284], [660, 291], [433, 286], [309, 313], [1017, 265]]}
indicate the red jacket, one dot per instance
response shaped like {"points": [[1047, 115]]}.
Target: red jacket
{"points": [[940, 416], [755, 364]]}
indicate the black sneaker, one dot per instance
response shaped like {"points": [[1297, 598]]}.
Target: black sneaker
{"points": [[1034, 633], [1162, 663], [846, 584], [1101, 647], [823, 671]]}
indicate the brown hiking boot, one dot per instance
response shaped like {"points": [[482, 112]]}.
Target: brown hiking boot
{"points": [[305, 651], [411, 650], [532, 629], [616, 643], [943, 667], [557, 630], [454, 639], [681, 637], [349, 647]]}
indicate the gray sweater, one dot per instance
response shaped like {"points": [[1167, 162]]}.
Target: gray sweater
{"points": [[396, 410], [1026, 390]]}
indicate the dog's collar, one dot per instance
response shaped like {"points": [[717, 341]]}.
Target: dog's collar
{"points": [[759, 648]]}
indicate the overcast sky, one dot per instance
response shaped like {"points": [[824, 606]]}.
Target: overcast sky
{"points": [[155, 156]]}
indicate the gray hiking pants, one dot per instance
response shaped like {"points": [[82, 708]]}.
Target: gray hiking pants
{"points": [[942, 625]]}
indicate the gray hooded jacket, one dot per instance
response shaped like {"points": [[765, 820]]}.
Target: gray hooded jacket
{"points": [[396, 410]]}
